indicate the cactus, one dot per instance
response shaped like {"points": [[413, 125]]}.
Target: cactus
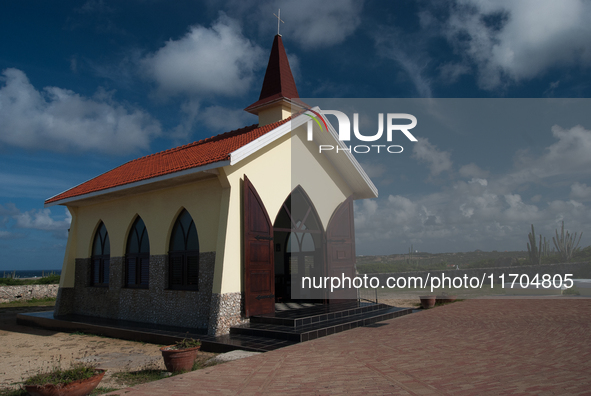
{"points": [[410, 259], [535, 252], [545, 248], [565, 244]]}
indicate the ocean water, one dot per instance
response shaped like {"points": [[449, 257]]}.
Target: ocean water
{"points": [[29, 273]]}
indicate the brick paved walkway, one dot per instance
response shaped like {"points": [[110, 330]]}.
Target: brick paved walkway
{"points": [[476, 347]]}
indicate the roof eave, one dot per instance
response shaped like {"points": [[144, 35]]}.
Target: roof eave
{"points": [[257, 106], [152, 180]]}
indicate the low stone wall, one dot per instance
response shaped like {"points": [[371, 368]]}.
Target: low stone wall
{"points": [[157, 304], [27, 292]]}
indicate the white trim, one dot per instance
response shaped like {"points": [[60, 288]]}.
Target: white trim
{"points": [[204, 168], [350, 156], [268, 138]]}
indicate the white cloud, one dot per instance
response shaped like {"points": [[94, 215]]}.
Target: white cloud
{"points": [[12, 218], [318, 23], [568, 156], [486, 211], [580, 192], [61, 120], [472, 170], [313, 24], [465, 217], [414, 70], [42, 220], [9, 209], [437, 160], [512, 41], [206, 61], [410, 55]]}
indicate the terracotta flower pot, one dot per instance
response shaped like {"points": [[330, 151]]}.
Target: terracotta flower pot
{"points": [[179, 359], [427, 301], [76, 388]]}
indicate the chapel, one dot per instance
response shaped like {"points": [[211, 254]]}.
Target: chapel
{"points": [[211, 233]]}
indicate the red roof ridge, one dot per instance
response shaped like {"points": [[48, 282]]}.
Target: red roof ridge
{"points": [[171, 160]]}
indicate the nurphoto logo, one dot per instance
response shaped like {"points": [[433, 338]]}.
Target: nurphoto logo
{"points": [[392, 125]]}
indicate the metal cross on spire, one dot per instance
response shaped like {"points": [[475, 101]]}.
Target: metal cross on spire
{"points": [[279, 20]]}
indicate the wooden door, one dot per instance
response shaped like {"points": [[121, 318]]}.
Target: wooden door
{"points": [[340, 250], [259, 270]]}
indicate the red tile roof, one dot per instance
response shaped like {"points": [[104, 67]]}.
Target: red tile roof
{"points": [[278, 82], [203, 152]]}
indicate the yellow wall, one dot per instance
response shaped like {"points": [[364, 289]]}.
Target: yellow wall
{"points": [[268, 171], [215, 205], [68, 268], [158, 209], [312, 170], [276, 112], [275, 171]]}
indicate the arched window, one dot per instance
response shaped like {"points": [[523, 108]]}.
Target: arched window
{"points": [[100, 259], [183, 254], [137, 257]]}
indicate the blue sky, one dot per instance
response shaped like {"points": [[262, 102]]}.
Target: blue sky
{"points": [[86, 86]]}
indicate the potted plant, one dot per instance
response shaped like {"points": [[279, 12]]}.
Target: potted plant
{"points": [[428, 301], [180, 356], [79, 380]]}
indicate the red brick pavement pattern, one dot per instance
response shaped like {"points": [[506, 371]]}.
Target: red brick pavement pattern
{"points": [[476, 347]]}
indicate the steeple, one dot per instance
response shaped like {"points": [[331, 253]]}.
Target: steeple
{"points": [[278, 90]]}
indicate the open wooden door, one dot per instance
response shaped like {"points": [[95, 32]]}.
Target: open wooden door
{"points": [[340, 250], [259, 270]]}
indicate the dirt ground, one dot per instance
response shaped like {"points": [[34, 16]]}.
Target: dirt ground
{"points": [[28, 350]]}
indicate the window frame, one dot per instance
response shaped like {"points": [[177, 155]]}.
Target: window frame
{"points": [[104, 260], [185, 256], [140, 261]]}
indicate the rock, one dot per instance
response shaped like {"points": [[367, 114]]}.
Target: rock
{"points": [[229, 356]]}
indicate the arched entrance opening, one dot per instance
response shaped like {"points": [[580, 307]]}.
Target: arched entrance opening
{"points": [[299, 249]]}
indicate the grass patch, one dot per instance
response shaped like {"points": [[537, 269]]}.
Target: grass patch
{"points": [[52, 279], [60, 376], [34, 302], [21, 392], [13, 392], [571, 292], [132, 378]]}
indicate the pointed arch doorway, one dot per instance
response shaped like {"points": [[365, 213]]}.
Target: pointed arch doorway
{"points": [[298, 237], [277, 255]]}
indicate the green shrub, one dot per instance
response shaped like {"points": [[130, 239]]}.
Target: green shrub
{"points": [[52, 279], [63, 377]]}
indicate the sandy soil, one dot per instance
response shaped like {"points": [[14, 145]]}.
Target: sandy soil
{"points": [[29, 350]]}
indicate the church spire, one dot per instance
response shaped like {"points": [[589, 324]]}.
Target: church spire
{"points": [[278, 78], [279, 87]]}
